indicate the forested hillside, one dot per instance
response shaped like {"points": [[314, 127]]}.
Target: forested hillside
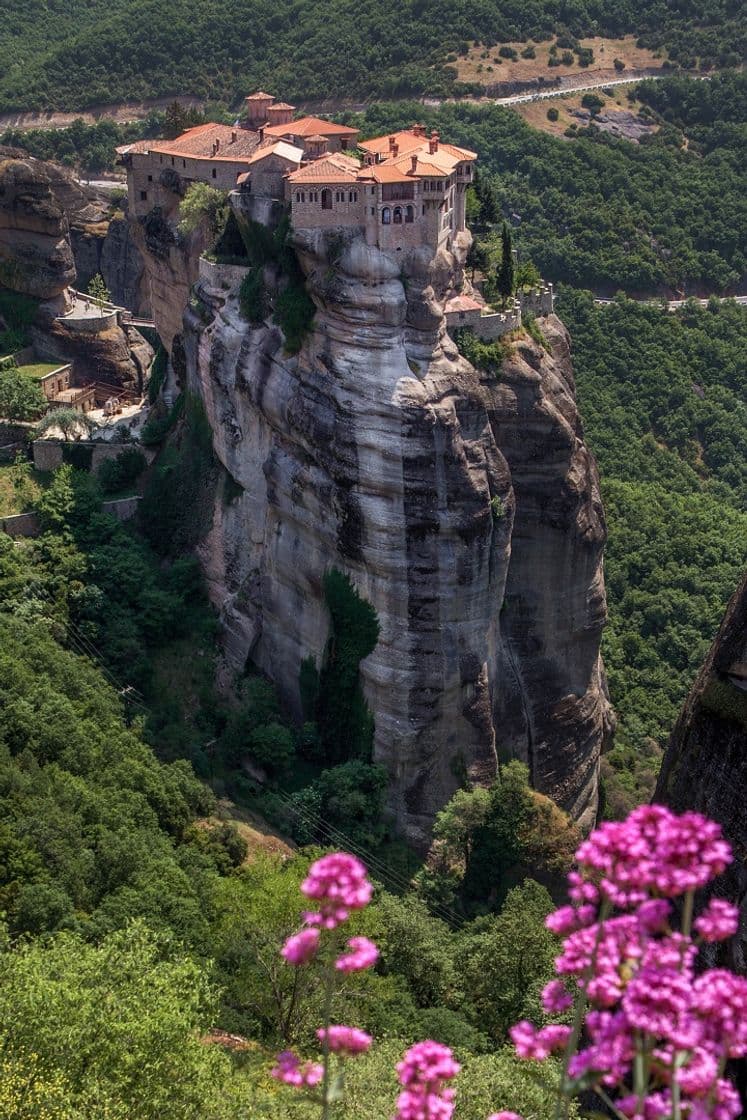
{"points": [[133, 918], [663, 398], [66, 56], [598, 212]]}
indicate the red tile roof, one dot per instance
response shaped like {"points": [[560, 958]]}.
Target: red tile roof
{"points": [[310, 126], [260, 95], [462, 303], [199, 143], [335, 168]]}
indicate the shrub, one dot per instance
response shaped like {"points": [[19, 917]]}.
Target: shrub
{"points": [[202, 202], [618, 64], [271, 747], [593, 102], [121, 473], [552, 113], [508, 52], [252, 299], [294, 311], [21, 397]]}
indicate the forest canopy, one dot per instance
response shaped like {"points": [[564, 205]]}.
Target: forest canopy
{"points": [[62, 56]]}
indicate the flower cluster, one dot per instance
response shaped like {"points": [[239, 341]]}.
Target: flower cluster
{"points": [[338, 884], [424, 1072], [645, 1007]]}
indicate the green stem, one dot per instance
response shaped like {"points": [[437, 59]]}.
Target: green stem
{"points": [[679, 1056], [610, 1104], [562, 1102], [329, 981]]}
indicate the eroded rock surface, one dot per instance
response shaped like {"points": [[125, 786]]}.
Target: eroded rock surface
{"points": [[35, 254], [466, 509], [705, 764]]}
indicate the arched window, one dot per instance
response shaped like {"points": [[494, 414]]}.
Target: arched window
{"points": [[409, 214], [398, 215], [326, 199], [386, 216]]}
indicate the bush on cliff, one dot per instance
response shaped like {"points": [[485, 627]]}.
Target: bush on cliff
{"points": [[21, 396]]}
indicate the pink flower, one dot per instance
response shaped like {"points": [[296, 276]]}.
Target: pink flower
{"points": [[364, 954], [536, 1045], [555, 998], [657, 1002], [654, 915], [567, 919], [301, 947], [505, 1116], [720, 1000], [339, 883], [345, 1040], [718, 921], [292, 1071], [653, 851], [424, 1071], [610, 1054]]}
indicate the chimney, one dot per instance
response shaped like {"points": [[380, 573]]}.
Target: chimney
{"points": [[433, 142], [217, 145], [234, 136], [395, 149], [261, 134], [392, 143], [414, 164]]}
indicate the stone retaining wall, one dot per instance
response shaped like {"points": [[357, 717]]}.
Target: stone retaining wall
{"points": [[27, 524], [90, 325], [48, 452], [221, 275]]}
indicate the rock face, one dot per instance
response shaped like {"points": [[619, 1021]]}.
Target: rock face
{"points": [[35, 254], [105, 244], [705, 765], [465, 509]]}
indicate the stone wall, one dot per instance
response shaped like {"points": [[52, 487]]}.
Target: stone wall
{"points": [[221, 275], [48, 452], [27, 524]]}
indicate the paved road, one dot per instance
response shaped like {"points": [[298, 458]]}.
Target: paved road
{"points": [[676, 304], [560, 91]]}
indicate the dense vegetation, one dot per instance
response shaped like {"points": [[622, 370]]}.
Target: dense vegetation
{"points": [[663, 399], [130, 912], [55, 56], [602, 213]]}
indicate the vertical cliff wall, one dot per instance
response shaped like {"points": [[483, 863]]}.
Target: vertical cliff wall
{"points": [[466, 509], [705, 765]]}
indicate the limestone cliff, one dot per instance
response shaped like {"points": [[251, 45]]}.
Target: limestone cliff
{"points": [[35, 253], [37, 201], [705, 765], [465, 509]]}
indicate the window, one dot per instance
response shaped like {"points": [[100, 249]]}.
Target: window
{"points": [[409, 213], [215, 174], [398, 215], [326, 199], [143, 196], [172, 161], [160, 159], [184, 163], [424, 208], [386, 216], [150, 178], [373, 210]]}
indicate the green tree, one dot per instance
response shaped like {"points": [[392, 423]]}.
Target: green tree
{"points": [[504, 961], [202, 203], [21, 396], [119, 1033], [506, 278], [98, 291], [72, 424]]}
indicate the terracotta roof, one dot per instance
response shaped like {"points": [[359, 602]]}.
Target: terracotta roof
{"points": [[310, 126], [379, 145], [198, 143], [260, 95], [386, 173], [462, 303], [280, 105], [409, 142], [335, 168], [317, 139], [279, 148]]}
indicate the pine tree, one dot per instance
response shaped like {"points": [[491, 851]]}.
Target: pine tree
{"points": [[507, 269]]}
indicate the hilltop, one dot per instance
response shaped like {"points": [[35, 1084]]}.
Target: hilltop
{"points": [[64, 57]]}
